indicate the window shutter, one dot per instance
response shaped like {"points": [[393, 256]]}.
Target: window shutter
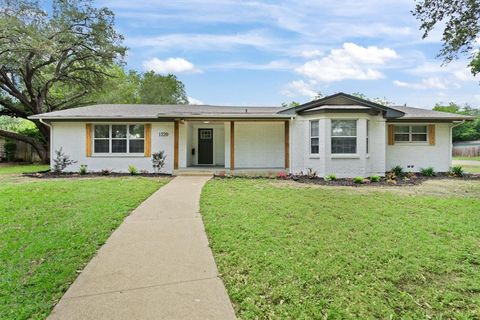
{"points": [[88, 142], [431, 134], [148, 140], [391, 134]]}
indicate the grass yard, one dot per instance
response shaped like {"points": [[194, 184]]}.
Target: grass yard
{"points": [[467, 158], [289, 251], [26, 168], [50, 229], [471, 169]]}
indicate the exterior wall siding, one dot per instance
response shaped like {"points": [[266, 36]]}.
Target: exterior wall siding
{"points": [[70, 136], [422, 155]]}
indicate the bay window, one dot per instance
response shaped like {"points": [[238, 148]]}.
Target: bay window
{"points": [[119, 139], [344, 137]]}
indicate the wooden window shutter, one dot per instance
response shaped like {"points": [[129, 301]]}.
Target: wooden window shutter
{"points": [[148, 140], [88, 141], [391, 134], [431, 134]]}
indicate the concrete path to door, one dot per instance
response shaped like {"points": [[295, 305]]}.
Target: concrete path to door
{"points": [[156, 265]]}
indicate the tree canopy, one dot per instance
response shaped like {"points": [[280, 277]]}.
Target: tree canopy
{"points": [[469, 130], [460, 20]]}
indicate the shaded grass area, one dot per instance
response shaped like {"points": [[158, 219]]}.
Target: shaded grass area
{"points": [[49, 230], [299, 253], [22, 168], [471, 169]]}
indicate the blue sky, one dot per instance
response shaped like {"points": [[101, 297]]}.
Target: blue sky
{"points": [[269, 52]]}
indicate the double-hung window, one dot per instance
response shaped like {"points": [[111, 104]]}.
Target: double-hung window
{"points": [[344, 136], [119, 139], [314, 137], [411, 133]]}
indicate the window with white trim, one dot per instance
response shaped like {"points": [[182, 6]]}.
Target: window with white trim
{"points": [[118, 138], [368, 136], [314, 137], [344, 136], [411, 133]]}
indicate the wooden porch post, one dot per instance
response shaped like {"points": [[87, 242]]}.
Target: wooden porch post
{"points": [[287, 144], [175, 145], [232, 145]]}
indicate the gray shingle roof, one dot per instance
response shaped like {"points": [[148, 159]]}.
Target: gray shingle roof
{"points": [[145, 111], [420, 114]]}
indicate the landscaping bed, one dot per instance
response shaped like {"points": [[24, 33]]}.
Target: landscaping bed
{"points": [[54, 175]]}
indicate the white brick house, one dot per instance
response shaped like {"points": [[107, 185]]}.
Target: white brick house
{"points": [[338, 134]]}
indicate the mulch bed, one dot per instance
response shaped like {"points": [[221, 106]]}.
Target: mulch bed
{"points": [[53, 175]]}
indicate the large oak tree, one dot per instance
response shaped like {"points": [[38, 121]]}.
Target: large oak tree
{"points": [[52, 58]]}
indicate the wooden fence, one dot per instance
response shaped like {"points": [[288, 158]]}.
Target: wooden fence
{"points": [[24, 152], [466, 149]]}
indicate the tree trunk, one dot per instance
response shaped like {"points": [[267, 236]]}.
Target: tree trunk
{"points": [[37, 145]]}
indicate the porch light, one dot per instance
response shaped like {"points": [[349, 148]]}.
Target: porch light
{"points": [[206, 121]]}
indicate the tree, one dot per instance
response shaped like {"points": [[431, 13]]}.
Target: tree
{"points": [[467, 131], [460, 20], [155, 88], [52, 61], [383, 101]]}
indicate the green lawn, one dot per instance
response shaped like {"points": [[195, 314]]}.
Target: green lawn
{"points": [[467, 158], [286, 251], [26, 168], [49, 229], [472, 169]]}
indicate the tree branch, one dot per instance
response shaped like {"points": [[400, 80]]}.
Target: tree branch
{"points": [[37, 145]]}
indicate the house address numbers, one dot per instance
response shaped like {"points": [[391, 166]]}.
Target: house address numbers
{"points": [[163, 134]]}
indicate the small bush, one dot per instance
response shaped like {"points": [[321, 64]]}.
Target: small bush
{"points": [[331, 177], [427, 172], [132, 170], [358, 179], [398, 170], [282, 175], [311, 174], [61, 161], [83, 169], [10, 148], [375, 179], [106, 172], [457, 171], [158, 160]]}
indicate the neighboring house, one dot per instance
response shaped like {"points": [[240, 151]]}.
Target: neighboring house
{"points": [[339, 134]]}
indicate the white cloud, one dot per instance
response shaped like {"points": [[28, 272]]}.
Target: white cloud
{"points": [[350, 62], [310, 53], [170, 65], [428, 83], [456, 69], [272, 65], [192, 100], [298, 88]]}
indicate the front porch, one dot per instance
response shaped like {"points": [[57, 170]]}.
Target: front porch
{"points": [[231, 147]]}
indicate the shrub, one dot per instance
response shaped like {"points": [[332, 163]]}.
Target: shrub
{"points": [[311, 174], [61, 161], [158, 160], [282, 175], [375, 178], [398, 170], [83, 169], [330, 177], [358, 179], [132, 170], [456, 171], [427, 172], [106, 172]]}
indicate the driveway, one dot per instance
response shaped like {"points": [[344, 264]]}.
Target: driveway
{"points": [[156, 265]]}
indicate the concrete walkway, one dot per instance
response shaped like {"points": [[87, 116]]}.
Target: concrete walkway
{"points": [[156, 265], [466, 163]]}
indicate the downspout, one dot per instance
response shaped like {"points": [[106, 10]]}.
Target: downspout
{"points": [[290, 144], [451, 139], [51, 138]]}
